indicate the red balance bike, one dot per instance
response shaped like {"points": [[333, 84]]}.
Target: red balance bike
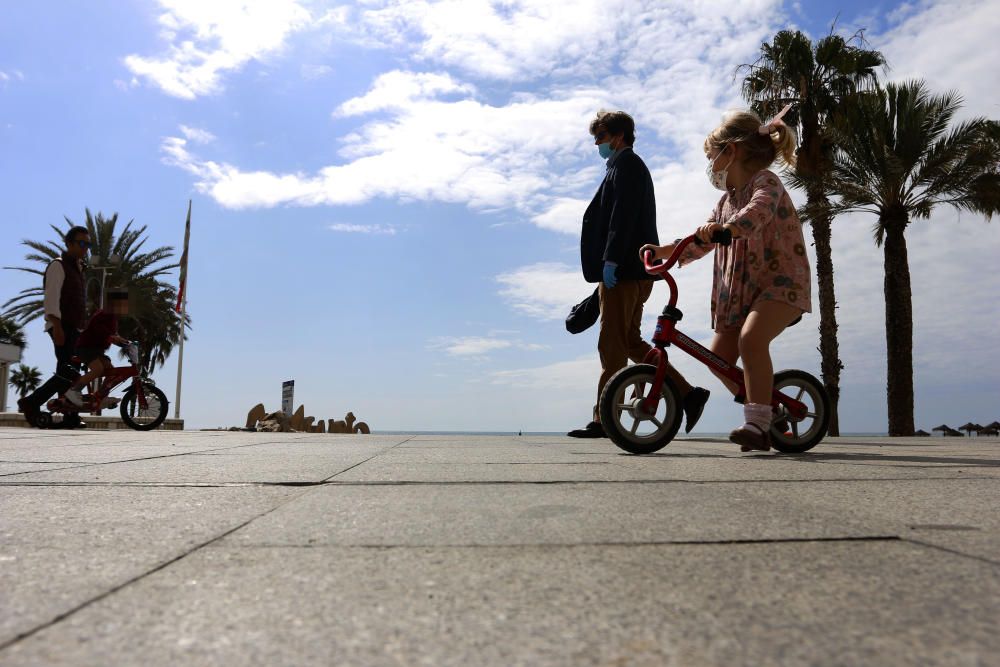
{"points": [[640, 406], [143, 407]]}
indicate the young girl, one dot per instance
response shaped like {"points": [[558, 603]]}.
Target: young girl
{"points": [[761, 282], [95, 340]]}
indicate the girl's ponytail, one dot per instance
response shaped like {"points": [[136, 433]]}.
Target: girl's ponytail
{"points": [[783, 140]]}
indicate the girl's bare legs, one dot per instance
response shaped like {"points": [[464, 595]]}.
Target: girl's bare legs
{"points": [[767, 319], [96, 371], [727, 346]]}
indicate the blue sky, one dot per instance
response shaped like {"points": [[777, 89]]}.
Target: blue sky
{"points": [[387, 195]]}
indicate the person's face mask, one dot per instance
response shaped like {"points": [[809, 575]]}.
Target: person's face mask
{"points": [[605, 150], [718, 178]]}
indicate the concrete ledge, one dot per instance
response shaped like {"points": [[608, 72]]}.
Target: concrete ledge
{"points": [[106, 422]]}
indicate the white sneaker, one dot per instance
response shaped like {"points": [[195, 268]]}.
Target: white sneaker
{"points": [[74, 396]]}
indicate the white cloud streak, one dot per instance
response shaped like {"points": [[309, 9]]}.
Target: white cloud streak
{"points": [[379, 230], [479, 346], [208, 39]]}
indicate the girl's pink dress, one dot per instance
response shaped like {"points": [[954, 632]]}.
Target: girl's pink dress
{"points": [[768, 262]]}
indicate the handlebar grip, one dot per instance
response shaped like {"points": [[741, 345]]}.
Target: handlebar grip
{"points": [[723, 237]]}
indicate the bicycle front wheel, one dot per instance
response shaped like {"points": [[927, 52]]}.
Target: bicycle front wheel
{"points": [[146, 413], [627, 422]]}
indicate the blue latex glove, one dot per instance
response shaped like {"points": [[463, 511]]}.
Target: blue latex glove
{"points": [[609, 274]]}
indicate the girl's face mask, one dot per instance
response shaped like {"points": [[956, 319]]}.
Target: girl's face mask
{"points": [[718, 178]]}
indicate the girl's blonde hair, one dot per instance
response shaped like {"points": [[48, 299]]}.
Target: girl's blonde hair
{"points": [[762, 149]]}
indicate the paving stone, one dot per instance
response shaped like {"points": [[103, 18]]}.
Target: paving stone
{"points": [[817, 604]]}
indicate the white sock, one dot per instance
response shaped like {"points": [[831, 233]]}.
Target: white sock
{"points": [[757, 415]]}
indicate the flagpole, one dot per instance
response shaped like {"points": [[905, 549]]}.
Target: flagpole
{"points": [[180, 361], [183, 312]]}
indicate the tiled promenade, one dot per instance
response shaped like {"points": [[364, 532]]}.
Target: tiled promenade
{"points": [[216, 548]]}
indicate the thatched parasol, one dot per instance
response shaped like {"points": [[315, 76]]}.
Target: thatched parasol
{"points": [[995, 426], [922, 433], [970, 427], [987, 430], [944, 428]]}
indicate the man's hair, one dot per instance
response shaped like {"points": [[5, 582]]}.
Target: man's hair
{"points": [[615, 122], [74, 232]]}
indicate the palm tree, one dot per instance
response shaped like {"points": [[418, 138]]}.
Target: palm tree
{"points": [[818, 81], [152, 319], [11, 332], [25, 379], [898, 159]]}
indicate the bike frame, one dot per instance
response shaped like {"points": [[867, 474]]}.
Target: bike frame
{"points": [[667, 334], [110, 381]]}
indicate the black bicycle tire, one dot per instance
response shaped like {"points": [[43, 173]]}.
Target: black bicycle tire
{"points": [[824, 419], [611, 424], [130, 396]]}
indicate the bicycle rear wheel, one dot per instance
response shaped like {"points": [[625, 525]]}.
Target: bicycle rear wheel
{"points": [[625, 420], [795, 436]]}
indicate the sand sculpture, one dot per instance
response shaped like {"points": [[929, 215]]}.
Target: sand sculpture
{"points": [[258, 419]]}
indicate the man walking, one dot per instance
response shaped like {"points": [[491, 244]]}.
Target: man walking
{"points": [[620, 220], [65, 309]]}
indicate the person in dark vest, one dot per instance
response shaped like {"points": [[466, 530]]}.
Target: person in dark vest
{"points": [[620, 220], [65, 305]]}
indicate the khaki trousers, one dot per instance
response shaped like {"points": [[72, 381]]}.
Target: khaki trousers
{"points": [[621, 333]]}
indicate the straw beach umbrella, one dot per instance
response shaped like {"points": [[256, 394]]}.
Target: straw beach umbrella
{"points": [[970, 427], [944, 428], [987, 430], [922, 433]]}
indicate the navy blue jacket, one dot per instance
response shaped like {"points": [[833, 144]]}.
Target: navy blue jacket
{"points": [[620, 220]]}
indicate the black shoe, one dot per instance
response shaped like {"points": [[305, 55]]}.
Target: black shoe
{"points": [[694, 405], [591, 430], [28, 409]]}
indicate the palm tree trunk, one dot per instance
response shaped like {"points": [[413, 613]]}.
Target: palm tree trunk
{"points": [[829, 348], [898, 327]]}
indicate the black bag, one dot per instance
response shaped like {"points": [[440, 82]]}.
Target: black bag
{"points": [[584, 314]]}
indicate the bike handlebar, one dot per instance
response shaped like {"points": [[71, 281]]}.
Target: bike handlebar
{"points": [[723, 237]]}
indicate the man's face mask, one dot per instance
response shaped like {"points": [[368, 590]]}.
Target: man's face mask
{"points": [[718, 178]]}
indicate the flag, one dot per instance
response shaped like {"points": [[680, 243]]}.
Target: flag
{"points": [[184, 261]]}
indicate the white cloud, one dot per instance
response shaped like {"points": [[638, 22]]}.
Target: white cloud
{"points": [[6, 77], [479, 346], [951, 45], [579, 373], [564, 214], [397, 90], [197, 135], [545, 291], [380, 230], [519, 40], [460, 151], [315, 71], [208, 39]]}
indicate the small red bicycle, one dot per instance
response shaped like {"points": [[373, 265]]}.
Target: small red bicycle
{"points": [[143, 407], [640, 406]]}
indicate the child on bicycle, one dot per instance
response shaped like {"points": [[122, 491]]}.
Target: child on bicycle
{"points": [[761, 282], [94, 341]]}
